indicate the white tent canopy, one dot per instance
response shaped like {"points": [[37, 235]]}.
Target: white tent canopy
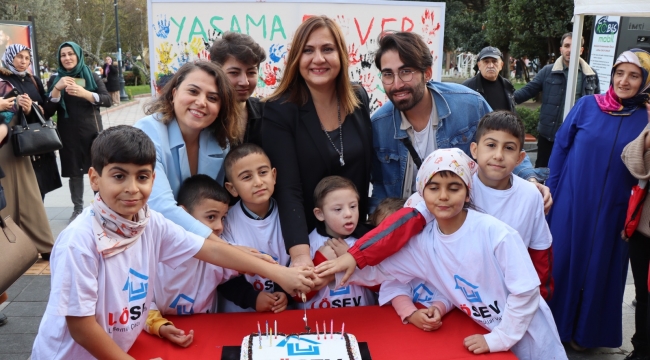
{"points": [[634, 8]]}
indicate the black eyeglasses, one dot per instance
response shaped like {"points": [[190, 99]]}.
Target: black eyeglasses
{"points": [[388, 77]]}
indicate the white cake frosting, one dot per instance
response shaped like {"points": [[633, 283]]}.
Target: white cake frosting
{"points": [[303, 347]]}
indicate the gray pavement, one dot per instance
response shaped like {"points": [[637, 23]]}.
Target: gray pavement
{"points": [[28, 296]]}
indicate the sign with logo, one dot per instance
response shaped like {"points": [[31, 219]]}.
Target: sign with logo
{"points": [[182, 31], [603, 48]]}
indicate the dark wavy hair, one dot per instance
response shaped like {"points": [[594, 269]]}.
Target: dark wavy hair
{"points": [[240, 46], [412, 50], [225, 127]]}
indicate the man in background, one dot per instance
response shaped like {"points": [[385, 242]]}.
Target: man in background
{"points": [[552, 82]]}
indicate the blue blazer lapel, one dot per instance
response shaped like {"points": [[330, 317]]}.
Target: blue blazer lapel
{"points": [[211, 156], [176, 142]]}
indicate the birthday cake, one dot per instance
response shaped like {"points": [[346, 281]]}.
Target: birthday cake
{"points": [[300, 346]]}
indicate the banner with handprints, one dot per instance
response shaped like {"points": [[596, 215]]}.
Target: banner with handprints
{"points": [[183, 31]]}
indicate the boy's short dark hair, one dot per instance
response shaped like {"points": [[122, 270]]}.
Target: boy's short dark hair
{"points": [[198, 188], [329, 184], [386, 207], [239, 152], [122, 144], [240, 46], [502, 120], [412, 50]]}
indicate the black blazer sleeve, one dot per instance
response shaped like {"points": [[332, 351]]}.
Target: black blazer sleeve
{"points": [[278, 140]]}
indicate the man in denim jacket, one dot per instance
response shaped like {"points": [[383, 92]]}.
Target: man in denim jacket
{"points": [[422, 114]]}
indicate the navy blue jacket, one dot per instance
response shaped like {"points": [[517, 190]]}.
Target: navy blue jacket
{"points": [[552, 81]]}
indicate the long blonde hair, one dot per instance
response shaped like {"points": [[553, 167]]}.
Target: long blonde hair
{"points": [[293, 83], [226, 126]]}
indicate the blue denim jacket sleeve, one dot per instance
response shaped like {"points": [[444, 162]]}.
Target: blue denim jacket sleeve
{"points": [[525, 170]]}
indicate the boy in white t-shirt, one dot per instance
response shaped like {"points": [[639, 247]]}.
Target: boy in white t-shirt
{"points": [[498, 149], [103, 262], [337, 210], [254, 222], [191, 287]]}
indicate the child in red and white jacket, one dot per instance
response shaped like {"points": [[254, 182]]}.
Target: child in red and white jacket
{"points": [[417, 301]]}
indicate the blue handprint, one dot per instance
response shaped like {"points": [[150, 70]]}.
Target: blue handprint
{"points": [[276, 52], [162, 30]]}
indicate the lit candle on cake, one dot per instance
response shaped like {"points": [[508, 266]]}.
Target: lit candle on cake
{"points": [[276, 329], [342, 330], [324, 331], [332, 329], [258, 328], [267, 328], [317, 334], [271, 338]]}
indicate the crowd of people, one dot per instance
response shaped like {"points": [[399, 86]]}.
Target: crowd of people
{"points": [[287, 181]]}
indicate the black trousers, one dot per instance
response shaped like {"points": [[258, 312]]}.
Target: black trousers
{"points": [[639, 260], [544, 147]]}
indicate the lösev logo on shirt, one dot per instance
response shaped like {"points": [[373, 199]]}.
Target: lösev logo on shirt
{"points": [[135, 292], [136, 285], [339, 301], [422, 294], [468, 289], [180, 304], [485, 314]]}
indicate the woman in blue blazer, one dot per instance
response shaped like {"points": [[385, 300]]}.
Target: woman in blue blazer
{"points": [[192, 124]]}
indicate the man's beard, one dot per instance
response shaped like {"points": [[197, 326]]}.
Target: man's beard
{"points": [[417, 94]]}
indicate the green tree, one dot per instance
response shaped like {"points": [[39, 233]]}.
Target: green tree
{"points": [[463, 27], [537, 26], [51, 20]]}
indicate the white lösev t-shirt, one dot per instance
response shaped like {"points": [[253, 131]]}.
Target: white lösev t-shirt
{"points": [[114, 290], [191, 288], [348, 296], [479, 268], [520, 206], [263, 235]]}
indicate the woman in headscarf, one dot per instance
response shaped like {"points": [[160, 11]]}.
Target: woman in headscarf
{"points": [[591, 187], [24, 202], [634, 157], [76, 93], [16, 61]]}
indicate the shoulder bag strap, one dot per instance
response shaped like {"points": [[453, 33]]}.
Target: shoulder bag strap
{"points": [[409, 145]]}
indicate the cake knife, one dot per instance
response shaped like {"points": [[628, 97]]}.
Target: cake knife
{"points": [[304, 303]]}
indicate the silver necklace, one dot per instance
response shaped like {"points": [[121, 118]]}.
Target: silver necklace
{"points": [[338, 109]]}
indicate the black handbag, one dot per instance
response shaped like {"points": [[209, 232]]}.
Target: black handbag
{"points": [[37, 138]]}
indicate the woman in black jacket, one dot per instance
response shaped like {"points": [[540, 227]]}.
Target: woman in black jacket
{"points": [[316, 124], [24, 201], [17, 60], [110, 78], [76, 94]]}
